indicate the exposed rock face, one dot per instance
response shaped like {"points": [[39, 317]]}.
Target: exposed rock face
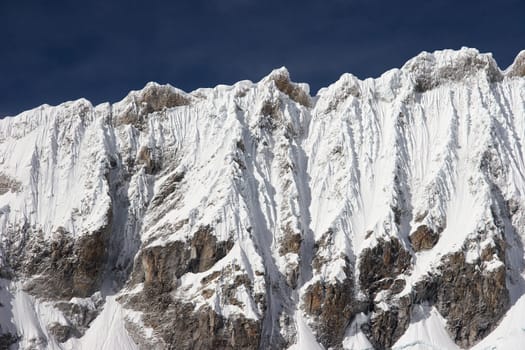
{"points": [[67, 268], [378, 268], [423, 238], [62, 332], [332, 306], [293, 90], [151, 99], [387, 326], [472, 299], [148, 158], [160, 266], [180, 324], [431, 71], [517, 69], [79, 315], [380, 264]]}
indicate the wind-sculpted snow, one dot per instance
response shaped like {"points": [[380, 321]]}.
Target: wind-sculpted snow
{"points": [[380, 213]]}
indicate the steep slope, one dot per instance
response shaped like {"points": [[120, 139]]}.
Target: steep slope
{"points": [[380, 213]]}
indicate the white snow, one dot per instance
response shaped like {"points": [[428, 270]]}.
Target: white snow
{"points": [[106, 332], [29, 318], [510, 333], [426, 331]]}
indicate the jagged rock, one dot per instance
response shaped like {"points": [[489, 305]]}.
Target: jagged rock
{"points": [[160, 266], [331, 305], [178, 323], [433, 69], [423, 238], [152, 98], [378, 268], [291, 242], [386, 259], [387, 326], [180, 326], [80, 315], [168, 187], [67, 267], [147, 157], [62, 332], [471, 299], [517, 69], [282, 81]]}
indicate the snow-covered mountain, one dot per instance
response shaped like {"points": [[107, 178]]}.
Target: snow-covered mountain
{"points": [[380, 213]]}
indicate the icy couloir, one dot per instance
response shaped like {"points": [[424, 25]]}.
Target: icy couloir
{"points": [[380, 213]]}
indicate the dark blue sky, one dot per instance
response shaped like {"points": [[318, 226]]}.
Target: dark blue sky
{"points": [[54, 51]]}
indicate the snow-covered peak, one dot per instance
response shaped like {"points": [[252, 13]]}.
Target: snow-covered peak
{"points": [[429, 70], [280, 78], [517, 68], [152, 91]]}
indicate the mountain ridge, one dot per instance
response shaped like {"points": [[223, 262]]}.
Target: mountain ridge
{"points": [[258, 216]]}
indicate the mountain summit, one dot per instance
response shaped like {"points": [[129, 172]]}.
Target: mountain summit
{"points": [[380, 213]]}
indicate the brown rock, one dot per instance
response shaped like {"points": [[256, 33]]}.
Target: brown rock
{"points": [[379, 266], [149, 159], [517, 69], [472, 301], [386, 259], [387, 326], [294, 91], [291, 242], [152, 98], [423, 238], [180, 326], [160, 266], [331, 306], [66, 267]]}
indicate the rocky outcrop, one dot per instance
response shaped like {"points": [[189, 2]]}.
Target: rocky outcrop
{"points": [[152, 98], [430, 70], [159, 267], [67, 267], [517, 69], [150, 159], [472, 298], [291, 242], [178, 323], [282, 81], [180, 326], [380, 264], [378, 268], [79, 314], [331, 305], [423, 238], [386, 326], [62, 332]]}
